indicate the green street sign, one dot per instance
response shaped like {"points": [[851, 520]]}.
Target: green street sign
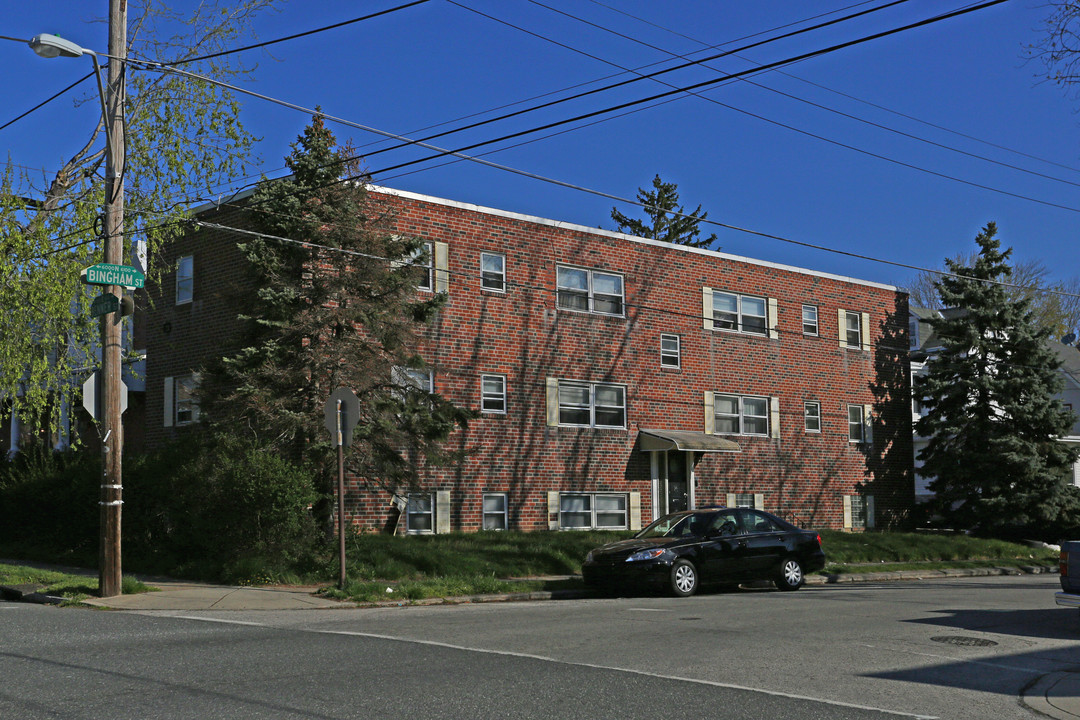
{"points": [[104, 304], [106, 274]]}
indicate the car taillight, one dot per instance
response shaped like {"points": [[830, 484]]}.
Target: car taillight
{"points": [[819, 539], [1063, 566]]}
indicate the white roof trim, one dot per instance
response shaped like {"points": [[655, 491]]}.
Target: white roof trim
{"points": [[622, 236], [574, 227]]}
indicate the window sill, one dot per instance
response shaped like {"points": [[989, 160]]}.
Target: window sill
{"points": [[742, 333], [591, 313]]}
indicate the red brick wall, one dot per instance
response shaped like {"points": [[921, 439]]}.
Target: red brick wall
{"points": [[521, 334], [180, 337]]}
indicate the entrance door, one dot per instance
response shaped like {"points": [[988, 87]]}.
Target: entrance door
{"points": [[673, 484]]}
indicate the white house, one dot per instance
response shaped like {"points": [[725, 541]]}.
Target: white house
{"points": [[924, 345]]}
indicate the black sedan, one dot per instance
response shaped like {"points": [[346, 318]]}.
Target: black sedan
{"points": [[684, 550]]}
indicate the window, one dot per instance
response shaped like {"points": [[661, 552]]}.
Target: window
{"points": [[420, 379], [740, 415], [493, 393], [853, 329], [856, 424], [185, 279], [424, 257], [591, 404], [495, 511], [812, 416], [592, 511], [858, 511], [809, 320], [745, 500], [669, 351], [758, 523], [589, 291], [493, 272], [913, 332], [420, 514], [181, 403], [741, 313]]}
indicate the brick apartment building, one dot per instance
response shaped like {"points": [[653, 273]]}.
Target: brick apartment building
{"points": [[616, 378]]}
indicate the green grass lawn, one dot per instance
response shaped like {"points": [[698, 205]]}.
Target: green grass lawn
{"points": [[414, 567], [72, 587]]}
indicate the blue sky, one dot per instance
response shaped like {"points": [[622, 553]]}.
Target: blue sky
{"points": [[752, 157]]}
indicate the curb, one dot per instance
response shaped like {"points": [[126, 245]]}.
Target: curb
{"points": [[30, 594], [1054, 695], [830, 579]]}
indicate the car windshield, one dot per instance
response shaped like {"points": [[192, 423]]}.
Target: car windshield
{"points": [[676, 525]]}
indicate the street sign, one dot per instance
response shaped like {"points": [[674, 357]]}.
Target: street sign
{"points": [[106, 274], [104, 304], [93, 396], [349, 415]]}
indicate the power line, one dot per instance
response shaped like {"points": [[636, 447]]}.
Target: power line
{"points": [[306, 33], [43, 103], [457, 153], [791, 97], [550, 180], [465, 117], [847, 95], [708, 83], [648, 75], [614, 75], [786, 126]]}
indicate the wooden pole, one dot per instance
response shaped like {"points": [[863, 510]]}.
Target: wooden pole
{"points": [[112, 427]]}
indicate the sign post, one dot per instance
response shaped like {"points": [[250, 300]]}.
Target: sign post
{"points": [[342, 412]]}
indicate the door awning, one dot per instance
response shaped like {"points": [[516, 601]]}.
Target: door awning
{"points": [[653, 440]]}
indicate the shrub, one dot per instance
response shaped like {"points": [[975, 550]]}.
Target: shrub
{"points": [[203, 504], [49, 502]]}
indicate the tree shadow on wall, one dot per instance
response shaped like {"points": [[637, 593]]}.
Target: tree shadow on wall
{"points": [[889, 460]]}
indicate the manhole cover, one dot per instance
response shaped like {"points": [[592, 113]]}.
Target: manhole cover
{"points": [[963, 641]]}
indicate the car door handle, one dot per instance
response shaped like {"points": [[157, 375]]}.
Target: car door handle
{"points": [[742, 543]]}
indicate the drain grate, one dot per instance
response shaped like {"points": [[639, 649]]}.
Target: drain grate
{"points": [[963, 641]]}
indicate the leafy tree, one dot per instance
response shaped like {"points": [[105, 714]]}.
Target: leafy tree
{"points": [[669, 222], [335, 305], [992, 418], [183, 138], [1053, 304]]}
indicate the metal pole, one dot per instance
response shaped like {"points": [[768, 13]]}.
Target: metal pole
{"points": [[341, 493], [113, 438]]}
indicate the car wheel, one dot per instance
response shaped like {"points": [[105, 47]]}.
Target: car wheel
{"points": [[791, 575], [684, 578]]}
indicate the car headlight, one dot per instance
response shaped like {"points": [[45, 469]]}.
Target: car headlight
{"points": [[650, 554]]}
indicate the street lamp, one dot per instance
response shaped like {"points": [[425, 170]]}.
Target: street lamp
{"points": [[112, 443], [50, 46]]}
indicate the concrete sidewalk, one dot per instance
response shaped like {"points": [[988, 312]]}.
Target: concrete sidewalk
{"points": [[1056, 695]]}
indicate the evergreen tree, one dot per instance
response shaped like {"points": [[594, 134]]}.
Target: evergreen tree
{"points": [[336, 305], [992, 419], [660, 202]]}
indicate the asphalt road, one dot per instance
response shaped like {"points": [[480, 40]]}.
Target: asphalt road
{"points": [[962, 648]]}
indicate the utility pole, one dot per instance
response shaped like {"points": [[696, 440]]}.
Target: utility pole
{"points": [[112, 426]]}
